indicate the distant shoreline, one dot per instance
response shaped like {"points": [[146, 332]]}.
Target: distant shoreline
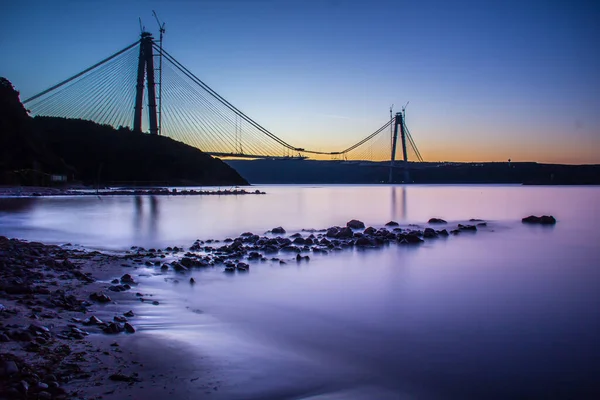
{"points": [[25, 191], [364, 172]]}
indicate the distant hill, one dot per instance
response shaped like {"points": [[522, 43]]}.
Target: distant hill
{"points": [[89, 152], [314, 172]]}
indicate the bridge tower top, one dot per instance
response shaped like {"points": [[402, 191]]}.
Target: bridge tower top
{"points": [[145, 73]]}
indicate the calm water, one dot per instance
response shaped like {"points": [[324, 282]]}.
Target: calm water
{"points": [[509, 312]]}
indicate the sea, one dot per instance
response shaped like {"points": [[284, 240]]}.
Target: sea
{"points": [[511, 311]]}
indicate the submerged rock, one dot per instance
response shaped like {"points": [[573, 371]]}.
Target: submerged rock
{"points": [[392, 223], [279, 230]]}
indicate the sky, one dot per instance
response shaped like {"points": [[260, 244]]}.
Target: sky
{"points": [[486, 80]]}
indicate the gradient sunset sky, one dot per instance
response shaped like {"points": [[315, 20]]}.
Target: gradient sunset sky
{"points": [[486, 80]]}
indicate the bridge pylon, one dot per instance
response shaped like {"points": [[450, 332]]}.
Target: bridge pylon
{"points": [[399, 125], [145, 73]]}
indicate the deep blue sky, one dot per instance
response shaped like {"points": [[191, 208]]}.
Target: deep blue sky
{"points": [[486, 80]]}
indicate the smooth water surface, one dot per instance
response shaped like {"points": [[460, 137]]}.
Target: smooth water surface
{"points": [[511, 311]]}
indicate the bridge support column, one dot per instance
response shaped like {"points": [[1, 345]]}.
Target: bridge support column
{"points": [[399, 125], [145, 72], [404, 154], [139, 92], [393, 156]]}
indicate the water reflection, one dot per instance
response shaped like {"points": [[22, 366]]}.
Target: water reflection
{"points": [[394, 203], [145, 226], [16, 204]]}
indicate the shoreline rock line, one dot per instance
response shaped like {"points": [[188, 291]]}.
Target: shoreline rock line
{"points": [[53, 299]]}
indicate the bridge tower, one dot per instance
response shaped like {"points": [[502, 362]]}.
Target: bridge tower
{"points": [[399, 125], [145, 73]]}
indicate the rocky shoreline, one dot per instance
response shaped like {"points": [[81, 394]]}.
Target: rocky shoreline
{"points": [[65, 313], [45, 192], [50, 303]]}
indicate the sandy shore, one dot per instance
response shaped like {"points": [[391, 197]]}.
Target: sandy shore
{"points": [[67, 328]]}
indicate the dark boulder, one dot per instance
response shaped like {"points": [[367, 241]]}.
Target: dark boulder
{"points": [[332, 232], [113, 328], [279, 230], [467, 227], [392, 223], [543, 220], [299, 240], [178, 267], [429, 233], [409, 239], [437, 221], [355, 224], [345, 233], [100, 297], [370, 231], [363, 242]]}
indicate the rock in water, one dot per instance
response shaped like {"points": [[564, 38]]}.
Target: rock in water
{"points": [[345, 232], [437, 221], [278, 230], [355, 224], [100, 297], [113, 328], [363, 242], [543, 220], [392, 223], [127, 279], [429, 233], [129, 328]]}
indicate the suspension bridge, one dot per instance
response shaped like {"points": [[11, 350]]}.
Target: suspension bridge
{"points": [[144, 88]]}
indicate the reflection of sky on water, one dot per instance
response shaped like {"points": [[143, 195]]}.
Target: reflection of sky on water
{"points": [[123, 221]]}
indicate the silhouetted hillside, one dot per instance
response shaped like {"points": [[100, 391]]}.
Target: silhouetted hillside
{"points": [[310, 171], [21, 147], [123, 155], [89, 152]]}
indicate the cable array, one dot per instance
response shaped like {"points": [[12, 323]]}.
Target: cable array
{"points": [[192, 112], [104, 94]]}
